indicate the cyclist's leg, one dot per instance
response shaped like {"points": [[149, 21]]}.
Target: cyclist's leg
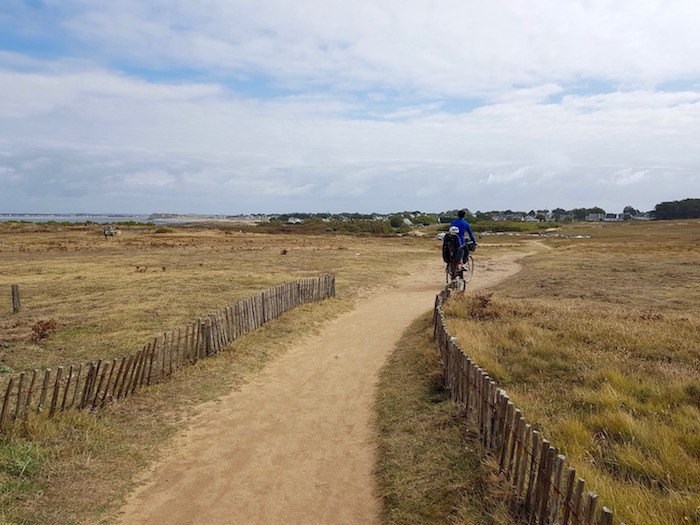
{"points": [[454, 268]]}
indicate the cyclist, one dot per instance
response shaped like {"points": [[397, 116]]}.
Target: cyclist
{"points": [[463, 227], [452, 252]]}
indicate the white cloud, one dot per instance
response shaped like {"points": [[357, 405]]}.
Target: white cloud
{"points": [[628, 176], [291, 148], [445, 47], [154, 177], [515, 175], [238, 105]]}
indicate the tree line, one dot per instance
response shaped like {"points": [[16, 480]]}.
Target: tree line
{"points": [[685, 209]]}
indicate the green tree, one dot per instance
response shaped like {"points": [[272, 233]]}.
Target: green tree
{"points": [[628, 212], [558, 213], [396, 221], [685, 209], [579, 214]]}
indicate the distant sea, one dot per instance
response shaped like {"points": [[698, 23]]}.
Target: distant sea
{"points": [[76, 218]]}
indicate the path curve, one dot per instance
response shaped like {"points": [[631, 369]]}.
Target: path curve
{"points": [[295, 444]]}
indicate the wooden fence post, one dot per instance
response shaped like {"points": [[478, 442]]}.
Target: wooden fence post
{"points": [[109, 379], [87, 386], [16, 306], [522, 469], [77, 384], [6, 401], [56, 391], [65, 392], [44, 386], [590, 508], [30, 392], [515, 442], [99, 386], [555, 502], [151, 356], [18, 408]]}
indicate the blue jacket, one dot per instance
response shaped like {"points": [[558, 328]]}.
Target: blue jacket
{"points": [[463, 226]]}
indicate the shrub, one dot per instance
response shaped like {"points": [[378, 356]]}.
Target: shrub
{"points": [[42, 329]]}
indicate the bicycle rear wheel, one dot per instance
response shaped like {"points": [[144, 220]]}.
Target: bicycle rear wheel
{"points": [[468, 269]]}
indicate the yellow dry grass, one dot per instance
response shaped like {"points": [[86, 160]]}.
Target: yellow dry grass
{"points": [[598, 341], [110, 296]]}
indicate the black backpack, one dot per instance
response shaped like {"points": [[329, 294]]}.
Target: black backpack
{"points": [[450, 247]]}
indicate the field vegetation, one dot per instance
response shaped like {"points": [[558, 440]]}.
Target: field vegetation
{"points": [[431, 470], [105, 297], [595, 339], [86, 297], [598, 342]]}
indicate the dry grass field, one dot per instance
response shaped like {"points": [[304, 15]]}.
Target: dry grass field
{"points": [[106, 297], [598, 342], [102, 298]]}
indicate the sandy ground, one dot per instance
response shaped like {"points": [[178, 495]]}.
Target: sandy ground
{"points": [[295, 445]]}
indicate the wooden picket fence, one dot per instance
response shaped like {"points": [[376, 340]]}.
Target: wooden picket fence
{"points": [[93, 385], [545, 490]]}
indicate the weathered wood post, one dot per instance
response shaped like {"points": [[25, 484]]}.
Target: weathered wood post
{"points": [[16, 306]]}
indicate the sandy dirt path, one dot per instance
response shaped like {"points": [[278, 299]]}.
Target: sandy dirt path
{"points": [[295, 445]]}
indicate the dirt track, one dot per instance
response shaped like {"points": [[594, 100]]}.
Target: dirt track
{"points": [[295, 445]]}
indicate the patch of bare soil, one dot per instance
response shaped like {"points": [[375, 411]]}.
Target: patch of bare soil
{"points": [[295, 445]]}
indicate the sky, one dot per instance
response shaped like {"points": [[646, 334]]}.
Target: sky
{"points": [[272, 106]]}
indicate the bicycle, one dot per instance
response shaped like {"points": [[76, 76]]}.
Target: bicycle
{"points": [[458, 270]]}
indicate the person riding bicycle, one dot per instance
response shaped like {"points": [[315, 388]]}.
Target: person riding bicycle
{"points": [[451, 248], [463, 227]]}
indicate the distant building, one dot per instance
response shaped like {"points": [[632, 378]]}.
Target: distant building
{"points": [[593, 217], [515, 216], [614, 217]]}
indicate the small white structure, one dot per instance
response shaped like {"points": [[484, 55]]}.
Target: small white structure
{"points": [[614, 217]]}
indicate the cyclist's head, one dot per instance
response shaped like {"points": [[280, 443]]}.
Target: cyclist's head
{"points": [[461, 214], [454, 230]]}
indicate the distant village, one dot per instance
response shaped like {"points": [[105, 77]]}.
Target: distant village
{"points": [[396, 219], [683, 209], [418, 218]]}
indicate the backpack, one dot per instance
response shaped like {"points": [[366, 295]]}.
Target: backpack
{"points": [[450, 247]]}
